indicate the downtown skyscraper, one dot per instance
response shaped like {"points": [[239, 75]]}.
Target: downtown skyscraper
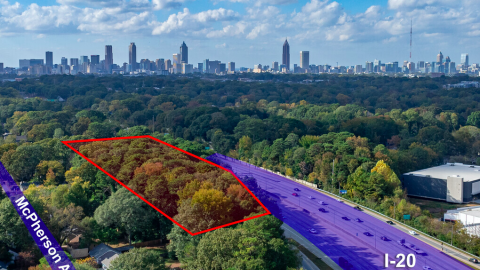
{"points": [[108, 58], [304, 59], [184, 53], [49, 59], [286, 55], [132, 56]]}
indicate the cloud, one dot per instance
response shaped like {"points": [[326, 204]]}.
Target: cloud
{"points": [[221, 46], [188, 22], [41, 36], [167, 4]]}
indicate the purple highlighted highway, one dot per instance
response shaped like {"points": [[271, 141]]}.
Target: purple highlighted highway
{"points": [[351, 238]]}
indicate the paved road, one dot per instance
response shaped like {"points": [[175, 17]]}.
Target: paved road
{"points": [[291, 233], [364, 243]]}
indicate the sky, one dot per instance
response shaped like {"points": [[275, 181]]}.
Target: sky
{"points": [[246, 32]]}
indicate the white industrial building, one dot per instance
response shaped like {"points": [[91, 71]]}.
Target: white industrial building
{"points": [[468, 216], [452, 182]]}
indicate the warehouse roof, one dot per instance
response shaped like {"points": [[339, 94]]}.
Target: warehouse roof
{"points": [[467, 172], [471, 211]]}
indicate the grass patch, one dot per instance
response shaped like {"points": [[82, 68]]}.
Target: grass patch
{"points": [[317, 261], [437, 208]]}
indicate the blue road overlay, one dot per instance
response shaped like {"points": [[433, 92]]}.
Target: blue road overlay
{"points": [[44, 239], [351, 238]]}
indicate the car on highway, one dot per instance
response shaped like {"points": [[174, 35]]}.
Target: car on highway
{"points": [[345, 218], [339, 200], [427, 268], [384, 238], [357, 208], [412, 233], [390, 222], [295, 194], [310, 197], [358, 220], [312, 230], [368, 234], [473, 260], [306, 211], [296, 189], [322, 210], [322, 203]]}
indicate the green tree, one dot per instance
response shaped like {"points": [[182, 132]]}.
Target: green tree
{"points": [[139, 258], [125, 211]]}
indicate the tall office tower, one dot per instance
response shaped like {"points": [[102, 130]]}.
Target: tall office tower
{"points": [[83, 59], [132, 55], [206, 66], [421, 64], [176, 58], [464, 60], [395, 67], [108, 58], [222, 67], [275, 66], [358, 69], [200, 67], [440, 58], [187, 68], [160, 63], [1, 67], [411, 67], [368, 67], [376, 65], [304, 59], [183, 53], [286, 55], [49, 59], [64, 62], [168, 64], [95, 59], [74, 62], [447, 59], [452, 69], [231, 66]]}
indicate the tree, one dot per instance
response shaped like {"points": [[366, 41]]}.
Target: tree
{"points": [[139, 258], [66, 222], [125, 211], [474, 119]]}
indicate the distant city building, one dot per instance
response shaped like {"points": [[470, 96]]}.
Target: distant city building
{"points": [[132, 56], [200, 67], [275, 66], [94, 59], [183, 53], [25, 63], [49, 59], [286, 55], [358, 69], [368, 67], [468, 216], [160, 63], [376, 65], [231, 66], [64, 61], [1, 67], [74, 62], [187, 68], [304, 59], [168, 64], [83, 59], [411, 67], [206, 66], [108, 58], [176, 58], [440, 58], [222, 68], [464, 60]]}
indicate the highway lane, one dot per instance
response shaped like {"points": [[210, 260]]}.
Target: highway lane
{"points": [[364, 252]]}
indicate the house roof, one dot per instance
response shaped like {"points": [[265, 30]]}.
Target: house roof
{"points": [[102, 252], [108, 261]]}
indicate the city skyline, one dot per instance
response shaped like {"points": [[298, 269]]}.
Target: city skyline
{"points": [[244, 32]]}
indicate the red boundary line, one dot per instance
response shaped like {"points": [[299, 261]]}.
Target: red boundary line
{"points": [[67, 143]]}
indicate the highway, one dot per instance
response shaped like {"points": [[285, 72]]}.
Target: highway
{"points": [[339, 234]]}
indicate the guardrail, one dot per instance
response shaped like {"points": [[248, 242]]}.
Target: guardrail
{"points": [[369, 209]]}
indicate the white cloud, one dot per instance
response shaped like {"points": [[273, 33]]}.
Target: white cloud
{"points": [[41, 36], [221, 46], [167, 4], [190, 23]]}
